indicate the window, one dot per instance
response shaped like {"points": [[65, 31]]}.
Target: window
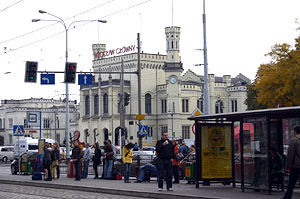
{"points": [[150, 131], [10, 139], [185, 132], [105, 103], [200, 104], [96, 105], [164, 129], [10, 123], [47, 123], [185, 105], [0, 123], [148, 103], [25, 124], [219, 106], [163, 106], [234, 106], [87, 105]]}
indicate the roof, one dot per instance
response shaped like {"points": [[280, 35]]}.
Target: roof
{"points": [[274, 113]]}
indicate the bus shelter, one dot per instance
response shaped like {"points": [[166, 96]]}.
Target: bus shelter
{"points": [[236, 147]]}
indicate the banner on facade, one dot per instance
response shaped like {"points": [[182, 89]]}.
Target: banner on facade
{"points": [[216, 152]]}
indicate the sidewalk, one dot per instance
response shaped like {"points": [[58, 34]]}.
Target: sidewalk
{"points": [[143, 190]]}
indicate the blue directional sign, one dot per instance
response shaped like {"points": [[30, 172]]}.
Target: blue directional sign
{"points": [[143, 129], [47, 78], [85, 79], [18, 130]]}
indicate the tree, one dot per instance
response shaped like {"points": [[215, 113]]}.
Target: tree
{"points": [[251, 100], [278, 81]]}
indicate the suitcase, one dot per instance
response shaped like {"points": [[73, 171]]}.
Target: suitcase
{"points": [[36, 176]]}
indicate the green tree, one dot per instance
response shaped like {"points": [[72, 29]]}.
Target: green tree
{"points": [[251, 100], [278, 81]]}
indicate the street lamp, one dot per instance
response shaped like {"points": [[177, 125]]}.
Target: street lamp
{"points": [[172, 115], [60, 20]]}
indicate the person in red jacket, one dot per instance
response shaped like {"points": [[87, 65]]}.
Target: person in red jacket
{"points": [[176, 162]]}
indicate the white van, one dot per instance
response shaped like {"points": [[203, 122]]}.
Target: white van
{"points": [[6, 153], [28, 144]]}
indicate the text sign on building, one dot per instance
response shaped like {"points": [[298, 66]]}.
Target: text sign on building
{"points": [[140, 117], [18, 130], [85, 79], [117, 51], [47, 79]]}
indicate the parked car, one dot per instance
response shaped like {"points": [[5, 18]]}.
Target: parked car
{"points": [[29, 156], [6, 153]]}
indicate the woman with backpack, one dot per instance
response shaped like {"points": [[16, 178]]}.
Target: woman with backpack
{"points": [[127, 156]]}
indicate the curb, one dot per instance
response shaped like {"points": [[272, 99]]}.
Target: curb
{"points": [[134, 193]]}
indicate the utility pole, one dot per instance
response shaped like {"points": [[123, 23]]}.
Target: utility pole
{"points": [[206, 87], [121, 106], [139, 86]]}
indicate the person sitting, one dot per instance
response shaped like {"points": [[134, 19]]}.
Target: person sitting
{"points": [[149, 167], [277, 167]]}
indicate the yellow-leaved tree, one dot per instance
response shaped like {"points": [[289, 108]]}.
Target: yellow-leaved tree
{"points": [[278, 82]]}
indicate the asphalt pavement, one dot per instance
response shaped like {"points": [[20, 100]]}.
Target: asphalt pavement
{"points": [[142, 190]]}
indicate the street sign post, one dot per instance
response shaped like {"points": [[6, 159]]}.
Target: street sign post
{"points": [[85, 79], [143, 130], [18, 130], [47, 79]]}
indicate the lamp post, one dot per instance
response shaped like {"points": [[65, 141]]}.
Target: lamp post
{"points": [[60, 20], [172, 116]]}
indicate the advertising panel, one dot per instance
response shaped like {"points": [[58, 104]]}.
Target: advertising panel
{"points": [[216, 152]]}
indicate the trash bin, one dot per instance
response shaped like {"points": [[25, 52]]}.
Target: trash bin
{"points": [[71, 170], [27, 170], [190, 171]]}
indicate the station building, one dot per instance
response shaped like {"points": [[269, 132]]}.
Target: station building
{"points": [[169, 95]]}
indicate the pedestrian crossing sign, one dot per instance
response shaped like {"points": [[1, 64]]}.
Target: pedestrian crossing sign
{"points": [[18, 130], [143, 130]]}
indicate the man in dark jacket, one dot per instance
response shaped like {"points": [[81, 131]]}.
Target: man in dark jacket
{"points": [[76, 156], [293, 162], [165, 152]]}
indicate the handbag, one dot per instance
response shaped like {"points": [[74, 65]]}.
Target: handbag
{"points": [[179, 156], [121, 160]]}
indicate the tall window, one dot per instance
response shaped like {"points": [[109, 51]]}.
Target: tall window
{"points": [[150, 131], [185, 132], [164, 129], [46, 123], [163, 106], [10, 123], [219, 106], [185, 105], [105, 103], [148, 103], [87, 105], [200, 104], [234, 106], [0, 123], [96, 105]]}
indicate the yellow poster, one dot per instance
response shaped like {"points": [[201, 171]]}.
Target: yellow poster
{"points": [[216, 152]]}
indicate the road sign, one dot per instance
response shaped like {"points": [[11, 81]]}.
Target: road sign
{"points": [[33, 118], [196, 112], [143, 130], [47, 79], [18, 130], [85, 79], [140, 117]]}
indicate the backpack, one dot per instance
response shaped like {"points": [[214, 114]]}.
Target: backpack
{"points": [[115, 173], [147, 176]]}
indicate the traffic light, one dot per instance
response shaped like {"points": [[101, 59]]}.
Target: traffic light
{"points": [[126, 99], [70, 72], [31, 71]]}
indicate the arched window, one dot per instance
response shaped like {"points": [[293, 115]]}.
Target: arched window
{"points": [[148, 103], [96, 105], [105, 103], [87, 105], [219, 106]]}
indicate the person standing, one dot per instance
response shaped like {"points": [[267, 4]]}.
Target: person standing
{"points": [[176, 162], [165, 152], [86, 160], [59, 159], [54, 158], [127, 156], [76, 156], [96, 159], [46, 160], [109, 158], [293, 162]]}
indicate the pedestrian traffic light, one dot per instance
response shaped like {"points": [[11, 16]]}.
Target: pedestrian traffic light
{"points": [[70, 72], [126, 99], [31, 71]]}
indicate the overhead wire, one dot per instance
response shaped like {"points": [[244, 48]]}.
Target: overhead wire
{"points": [[11, 5], [111, 14]]}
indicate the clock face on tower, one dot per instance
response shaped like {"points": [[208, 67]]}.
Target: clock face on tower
{"points": [[173, 80]]}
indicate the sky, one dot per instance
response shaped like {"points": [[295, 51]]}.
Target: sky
{"points": [[239, 34]]}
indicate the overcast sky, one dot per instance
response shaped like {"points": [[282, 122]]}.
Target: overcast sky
{"points": [[239, 34]]}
